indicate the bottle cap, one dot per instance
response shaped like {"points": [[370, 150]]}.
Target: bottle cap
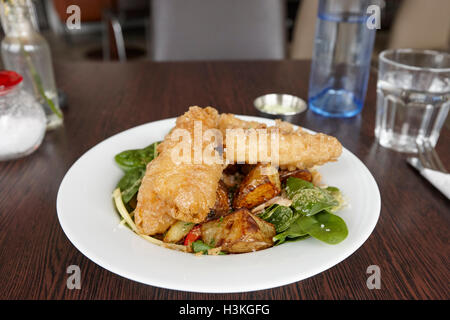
{"points": [[9, 80]]}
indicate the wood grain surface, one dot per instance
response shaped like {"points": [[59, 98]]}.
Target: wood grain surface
{"points": [[409, 243]]}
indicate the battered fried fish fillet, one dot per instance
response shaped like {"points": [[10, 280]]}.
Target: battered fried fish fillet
{"points": [[229, 121], [173, 191], [296, 148]]}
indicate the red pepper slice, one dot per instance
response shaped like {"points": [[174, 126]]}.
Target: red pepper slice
{"points": [[193, 235]]}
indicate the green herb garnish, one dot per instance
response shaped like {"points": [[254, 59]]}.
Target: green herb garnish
{"points": [[200, 246]]}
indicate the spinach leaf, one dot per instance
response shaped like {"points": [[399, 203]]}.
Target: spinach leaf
{"points": [[130, 183], [308, 199], [268, 212], [131, 159], [308, 202], [133, 163], [333, 190], [294, 231], [295, 239], [324, 226], [293, 185], [337, 195], [310, 214], [280, 216]]}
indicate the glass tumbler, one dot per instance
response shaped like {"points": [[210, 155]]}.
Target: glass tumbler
{"points": [[413, 97]]}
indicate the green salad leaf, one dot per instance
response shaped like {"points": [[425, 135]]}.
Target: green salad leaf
{"points": [[308, 199], [133, 163], [324, 226], [333, 191], [294, 185], [309, 202], [280, 216], [130, 183], [309, 214], [294, 231], [295, 239], [131, 159]]}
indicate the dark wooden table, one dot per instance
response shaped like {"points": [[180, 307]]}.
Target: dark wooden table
{"points": [[409, 244]]}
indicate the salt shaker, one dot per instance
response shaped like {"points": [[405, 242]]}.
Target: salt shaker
{"points": [[22, 120]]}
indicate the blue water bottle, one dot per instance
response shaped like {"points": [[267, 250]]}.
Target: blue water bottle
{"points": [[345, 32]]}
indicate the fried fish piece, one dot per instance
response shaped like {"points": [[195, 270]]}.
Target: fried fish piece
{"points": [[300, 149], [184, 190], [152, 216], [295, 148], [229, 121]]}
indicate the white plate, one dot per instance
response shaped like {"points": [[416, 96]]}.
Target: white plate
{"points": [[87, 216]]}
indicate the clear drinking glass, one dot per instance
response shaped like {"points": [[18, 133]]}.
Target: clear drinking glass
{"points": [[413, 97], [27, 52]]}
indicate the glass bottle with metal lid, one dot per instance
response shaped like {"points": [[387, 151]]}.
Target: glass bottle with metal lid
{"points": [[22, 120], [25, 51]]}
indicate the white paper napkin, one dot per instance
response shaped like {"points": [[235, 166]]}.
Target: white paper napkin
{"points": [[438, 179]]}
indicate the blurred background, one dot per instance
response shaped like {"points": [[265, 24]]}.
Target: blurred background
{"points": [[170, 30]]}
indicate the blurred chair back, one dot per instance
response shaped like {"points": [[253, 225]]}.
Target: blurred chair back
{"points": [[217, 29], [304, 30], [422, 25]]}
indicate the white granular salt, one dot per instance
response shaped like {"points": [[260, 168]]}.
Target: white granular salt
{"points": [[20, 134]]}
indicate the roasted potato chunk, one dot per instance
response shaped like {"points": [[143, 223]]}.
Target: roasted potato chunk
{"points": [[299, 173], [178, 231], [238, 232], [262, 183], [222, 205]]}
